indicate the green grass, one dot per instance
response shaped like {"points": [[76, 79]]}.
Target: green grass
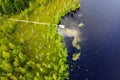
{"points": [[40, 44]]}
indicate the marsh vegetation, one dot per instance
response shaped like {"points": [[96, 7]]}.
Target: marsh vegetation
{"points": [[31, 51]]}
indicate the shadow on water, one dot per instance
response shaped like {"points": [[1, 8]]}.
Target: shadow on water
{"points": [[101, 51]]}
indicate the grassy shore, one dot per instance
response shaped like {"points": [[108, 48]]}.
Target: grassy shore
{"points": [[31, 51]]}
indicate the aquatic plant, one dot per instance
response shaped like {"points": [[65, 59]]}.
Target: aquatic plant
{"points": [[76, 56]]}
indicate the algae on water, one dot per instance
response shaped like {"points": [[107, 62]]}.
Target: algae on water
{"points": [[76, 56]]}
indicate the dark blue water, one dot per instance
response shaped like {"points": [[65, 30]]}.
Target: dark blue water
{"points": [[100, 59]]}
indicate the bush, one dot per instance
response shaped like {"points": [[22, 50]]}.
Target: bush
{"points": [[13, 6]]}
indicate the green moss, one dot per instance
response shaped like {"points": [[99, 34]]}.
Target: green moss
{"points": [[37, 51]]}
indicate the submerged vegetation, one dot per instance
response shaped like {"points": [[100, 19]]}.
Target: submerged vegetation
{"points": [[31, 51], [76, 56]]}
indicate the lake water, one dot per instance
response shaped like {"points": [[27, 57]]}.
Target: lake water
{"points": [[100, 58]]}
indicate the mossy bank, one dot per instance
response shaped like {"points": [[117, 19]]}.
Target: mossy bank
{"points": [[31, 51]]}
